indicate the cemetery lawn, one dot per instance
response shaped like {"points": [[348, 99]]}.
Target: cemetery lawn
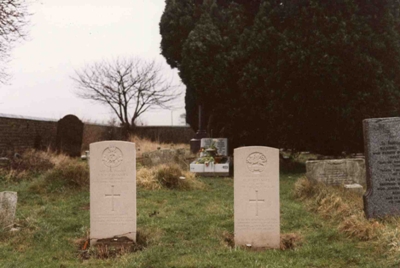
{"points": [[180, 229]]}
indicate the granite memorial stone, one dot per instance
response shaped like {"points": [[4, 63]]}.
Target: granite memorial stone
{"points": [[382, 150], [112, 190], [69, 135], [256, 197]]}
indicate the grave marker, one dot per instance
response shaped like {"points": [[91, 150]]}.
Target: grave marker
{"points": [[69, 135], [8, 206], [382, 151], [112, 190], [256, 190], [337, 171]]}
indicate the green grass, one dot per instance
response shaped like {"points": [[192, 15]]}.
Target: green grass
{"points": [[182, 229]]}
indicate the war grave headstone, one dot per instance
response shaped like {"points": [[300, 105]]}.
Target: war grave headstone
{"points": [[112, 191], [213, 168], [382, 150], [8, 206], [69, 135], [256, 197], [337, 171]]}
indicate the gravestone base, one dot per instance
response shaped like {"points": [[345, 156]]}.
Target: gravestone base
{"points": [[115, 241], [355, 187], [213, 174]]}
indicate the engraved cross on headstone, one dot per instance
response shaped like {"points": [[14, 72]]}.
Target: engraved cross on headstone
{"points": [[112, 195], [256, 201]]}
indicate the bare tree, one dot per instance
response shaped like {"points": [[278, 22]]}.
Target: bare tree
{"points": [[129, 87], [13, 18]]}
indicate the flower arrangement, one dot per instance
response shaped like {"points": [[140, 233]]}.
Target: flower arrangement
{"points": [[210, 155]]}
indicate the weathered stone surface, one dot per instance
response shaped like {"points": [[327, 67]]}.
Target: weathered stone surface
{"points": [[337, 171], [256, 193], [355, 187], [4, 162], [69, 135], [112, 190], [165, 156], [8, 206], [382, 151]]}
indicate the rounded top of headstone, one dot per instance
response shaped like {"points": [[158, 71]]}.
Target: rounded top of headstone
{"points": [[70, 118]]}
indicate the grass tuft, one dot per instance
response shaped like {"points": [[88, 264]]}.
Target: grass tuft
{"points": [[33, 161], [71, 172], [358, 226], [345, 209], [167, 176], [27, 165], [144, 145], [68, 173], [291, 241]]}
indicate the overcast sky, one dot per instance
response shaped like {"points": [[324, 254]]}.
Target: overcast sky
{"points": [[64, 35]]}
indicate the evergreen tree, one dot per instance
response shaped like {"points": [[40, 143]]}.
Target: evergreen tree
{"points": [[298, 74]]}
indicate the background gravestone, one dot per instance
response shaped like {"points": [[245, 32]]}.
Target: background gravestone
{"points": [[337, 171], [256, 197], [112, 191], [8, 206], [220, 143], [69, 135], [382, 152], [165, 156]]}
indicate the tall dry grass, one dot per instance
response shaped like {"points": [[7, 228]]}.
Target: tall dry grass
{"points": [[27, 165], [69, 172], [167, 176], [345, 210], [144, 145]]}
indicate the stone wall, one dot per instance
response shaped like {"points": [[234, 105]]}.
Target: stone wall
{"points": [[94, 133], [20, 133]]}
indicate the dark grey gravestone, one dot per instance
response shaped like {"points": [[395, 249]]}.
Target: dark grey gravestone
{"points": [[382, 151], [69, 135]]}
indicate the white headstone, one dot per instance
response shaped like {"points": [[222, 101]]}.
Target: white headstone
{"points": [[112, 190], [256, 191], [8, 206], [220, 143]]}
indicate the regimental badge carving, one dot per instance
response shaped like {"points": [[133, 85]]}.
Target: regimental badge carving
{"points": [[256, 162], [112, 157]]}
